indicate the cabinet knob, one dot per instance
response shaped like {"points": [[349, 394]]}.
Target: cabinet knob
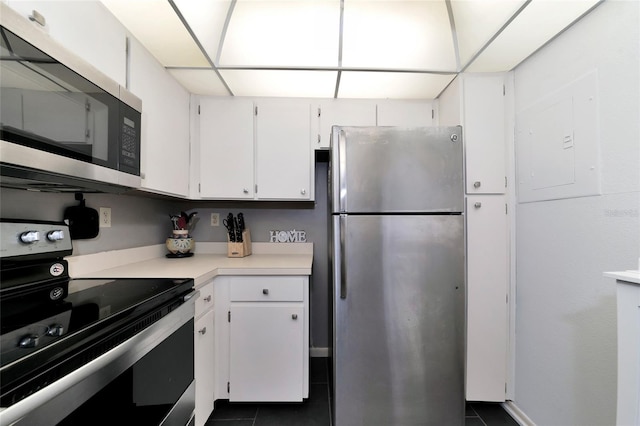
{"points": [[477, 205], [265, 291], [294, 316], [207, 299], [203, 330], [245, 190], [476, 184], [303, 191]]}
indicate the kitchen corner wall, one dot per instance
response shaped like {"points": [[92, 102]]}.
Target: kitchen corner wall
{"points": [[262, 217], [565, 360], [138, 221]]}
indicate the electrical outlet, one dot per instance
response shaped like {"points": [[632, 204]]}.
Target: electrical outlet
{"points": [[105, 217], [215, 219]]}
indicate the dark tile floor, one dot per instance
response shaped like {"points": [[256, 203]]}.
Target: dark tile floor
{"points": [[316, 411]]}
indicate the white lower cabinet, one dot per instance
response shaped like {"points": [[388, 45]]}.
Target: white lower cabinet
{"points": [[487, 289], [265, 352], [262, 340], [204, 348]]}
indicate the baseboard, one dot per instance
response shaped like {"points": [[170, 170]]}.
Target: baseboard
{"points": [[517, 414], [318, 352]]}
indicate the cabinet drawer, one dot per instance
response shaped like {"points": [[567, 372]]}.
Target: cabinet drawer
{"points": [[205, 301], [266, 289]]}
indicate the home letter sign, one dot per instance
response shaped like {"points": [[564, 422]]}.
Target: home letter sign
{"points": [[292, 236]]}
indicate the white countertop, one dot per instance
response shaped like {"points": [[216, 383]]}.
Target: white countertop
{"points": [[209, 261], [627, 276]]}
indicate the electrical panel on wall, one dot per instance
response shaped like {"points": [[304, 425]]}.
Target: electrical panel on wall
{"points": [[557, 144]]}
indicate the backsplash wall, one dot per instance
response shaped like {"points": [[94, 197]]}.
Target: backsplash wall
{"points": [[140, 221]]}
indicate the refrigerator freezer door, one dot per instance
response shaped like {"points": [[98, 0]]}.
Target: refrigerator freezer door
{"points": [[391, 169], [399, 320]]}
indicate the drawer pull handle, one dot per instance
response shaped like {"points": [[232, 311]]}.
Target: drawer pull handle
{"points": [[207, 299], [265, 291], [476, 184], [477, 205], [203, 331], [294, 316]]}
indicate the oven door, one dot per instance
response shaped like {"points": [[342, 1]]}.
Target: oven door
{"points": [[147, 380]]}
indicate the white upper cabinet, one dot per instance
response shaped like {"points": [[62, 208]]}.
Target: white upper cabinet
{"points": [[226, 148], [165, 125], [86, 28], [284, 163], [405, 113], [483, 111], [342, 112], [257, 150]]}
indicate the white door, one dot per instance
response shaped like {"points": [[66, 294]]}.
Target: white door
{"points": [[226, 148], [266, 352], [487, 288], [484, 133], [283, 151], [204, 367]]}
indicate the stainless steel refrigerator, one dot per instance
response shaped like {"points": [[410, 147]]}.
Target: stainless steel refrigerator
{"points": [[397, 259]]}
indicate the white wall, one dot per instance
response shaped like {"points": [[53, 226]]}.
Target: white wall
{"points": [[565, 366]]}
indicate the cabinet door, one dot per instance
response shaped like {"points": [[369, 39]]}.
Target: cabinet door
{"points": [[405, 114], [226, 148], [487, 289], [203, 367], [165, 125], [266, 352], [283, 151], [484, 133], [87, 29], [343, 112]]}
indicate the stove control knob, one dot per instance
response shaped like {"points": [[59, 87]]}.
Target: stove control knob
{"points": [[30, 237], [55, 235], [29, 341], [55, 330]]}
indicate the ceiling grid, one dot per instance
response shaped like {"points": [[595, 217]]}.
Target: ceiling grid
{"points": [[341, 48]]}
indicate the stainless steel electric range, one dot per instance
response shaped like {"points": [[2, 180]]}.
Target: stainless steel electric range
{"points": [[89, 351]]}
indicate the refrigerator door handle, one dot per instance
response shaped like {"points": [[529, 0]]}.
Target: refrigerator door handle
{"points": [[343, 261], [342, 174]]}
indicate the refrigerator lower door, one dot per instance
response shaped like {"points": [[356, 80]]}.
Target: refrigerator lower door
{"points": [[398, 320]]}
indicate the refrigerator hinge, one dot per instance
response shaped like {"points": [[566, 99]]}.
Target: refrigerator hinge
{"points": [[229, 316], [256, 191], [319, 111], [229, 387], [255, 110], [199, 189]]}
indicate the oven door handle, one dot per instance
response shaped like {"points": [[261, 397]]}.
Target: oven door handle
{"points": [[57, 400]]}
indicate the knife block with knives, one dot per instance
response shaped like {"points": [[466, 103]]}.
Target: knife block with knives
{"points": [[238, 237]]}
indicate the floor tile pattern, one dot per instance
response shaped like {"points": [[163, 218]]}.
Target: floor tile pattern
{"points": [[316, 410]]}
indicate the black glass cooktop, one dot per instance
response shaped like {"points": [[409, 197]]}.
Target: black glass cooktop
{"points": [[38, 337]]}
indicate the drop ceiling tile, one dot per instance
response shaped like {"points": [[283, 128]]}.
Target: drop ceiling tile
{"points": [[302, 33], [279, 83], [200, 81], [155, 24], [206, 19], [398, 35], [478, 20], [539, 22], [359, 84]]}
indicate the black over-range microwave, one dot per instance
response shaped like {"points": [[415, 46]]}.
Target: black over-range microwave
{"points": [[64, 126]]}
